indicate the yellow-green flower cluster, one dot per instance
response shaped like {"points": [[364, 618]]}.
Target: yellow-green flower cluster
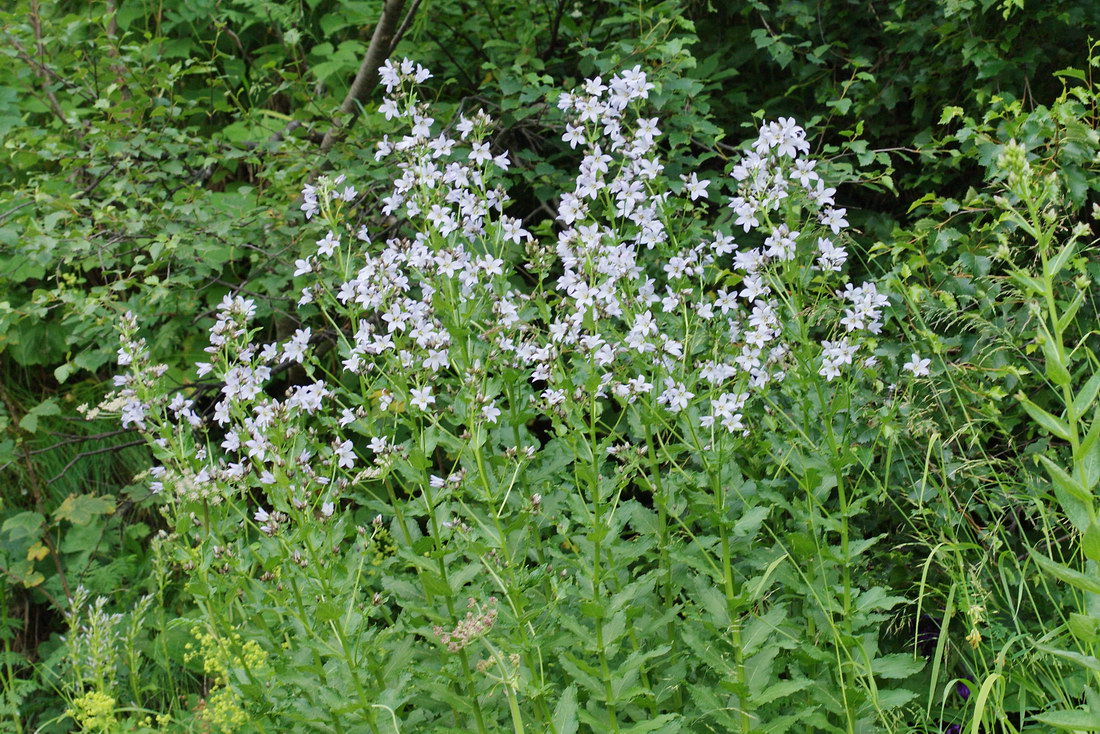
{"points": [[94, 711]]}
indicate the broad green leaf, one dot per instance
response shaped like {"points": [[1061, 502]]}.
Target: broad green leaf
{"points": [[657, 724], [1055, 425], [1083, 627], [1076, 720], [82, 509], [897, 665], [23, 525], [29, 423]]}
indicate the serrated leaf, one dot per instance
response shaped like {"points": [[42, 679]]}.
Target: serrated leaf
{"points": [[37, 552], [749, 523], [949, 114], [897, 665], [779, 690], [657, 724], [83, 508], [23, 525], [565, 713]]}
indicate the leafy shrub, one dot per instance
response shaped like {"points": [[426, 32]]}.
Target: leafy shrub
{"points": [[575, 438]]}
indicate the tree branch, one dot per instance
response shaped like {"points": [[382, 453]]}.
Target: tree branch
{"points": [[367, 77], [404, 26]]}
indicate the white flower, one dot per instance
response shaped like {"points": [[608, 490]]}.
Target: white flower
{"points": [[345, 455], [328, 244], [834, 219], [421, 397], [574, 135], [694, 187], [916, 365], [327, 509], [491, 413], [675, 396]]}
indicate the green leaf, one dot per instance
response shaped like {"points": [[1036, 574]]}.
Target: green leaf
{"points": [[1083, 627], [1055, 425], [1087, 662], [1031, 284], [949, 114], [29, 423], [1064, 481], [1071, 73], [23, 525], [1059, 261], [1065, 573], [565, 713], [1089, 462], [652, 725], [1056, 368], [1078, 720], [82, 509], [897, 665], [1090, 542], [1087, 395]]}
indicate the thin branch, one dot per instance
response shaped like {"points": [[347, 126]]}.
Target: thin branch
{"points": [[404, 26], [555, 26], [77, 439], [40, 72], [93, 452]]}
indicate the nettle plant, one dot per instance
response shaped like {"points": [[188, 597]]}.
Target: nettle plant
{"points": [[499, 480]]}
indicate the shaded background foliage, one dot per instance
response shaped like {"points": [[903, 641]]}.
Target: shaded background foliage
{"points": [[153, 154]]}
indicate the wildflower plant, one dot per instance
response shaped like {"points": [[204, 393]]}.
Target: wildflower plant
{"points": [[548, 470]]}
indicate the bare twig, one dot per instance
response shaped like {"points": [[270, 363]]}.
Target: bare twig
{"points": [[93, 452], [78, 439], [39, 69]]}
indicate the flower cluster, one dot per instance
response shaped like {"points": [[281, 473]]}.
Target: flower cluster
{"points": [[646, 307], [477, 623]]}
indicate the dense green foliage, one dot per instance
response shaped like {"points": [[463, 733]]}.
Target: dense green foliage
{"points": [[885, 553]]}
